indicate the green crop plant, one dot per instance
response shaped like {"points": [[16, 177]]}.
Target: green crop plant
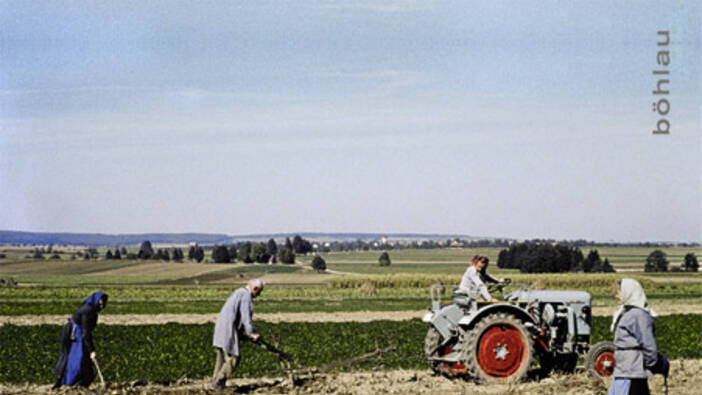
{"points": [[166, 353]]}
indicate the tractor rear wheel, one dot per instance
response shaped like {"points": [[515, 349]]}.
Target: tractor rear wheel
{"points": [[599, 361], [500, 349], [434, 349]]}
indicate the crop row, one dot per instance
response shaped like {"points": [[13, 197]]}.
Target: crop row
{"points": [[169, 352], [551, 280]]}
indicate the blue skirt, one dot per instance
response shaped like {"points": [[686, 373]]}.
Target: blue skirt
{"points": [[78, 363], [625, 386]]}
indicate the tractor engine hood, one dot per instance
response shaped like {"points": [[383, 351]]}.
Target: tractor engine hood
{"points": [[564, 297]]}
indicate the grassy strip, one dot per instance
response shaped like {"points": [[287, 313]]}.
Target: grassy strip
{"points": [[545, 281], [290, 305], [200, 300], [172, 351]]}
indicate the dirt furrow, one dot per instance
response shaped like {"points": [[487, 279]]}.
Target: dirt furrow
{"points": [[353, 316]]}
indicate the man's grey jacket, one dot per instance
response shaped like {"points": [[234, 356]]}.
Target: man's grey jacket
{"points": [[234, 319]]}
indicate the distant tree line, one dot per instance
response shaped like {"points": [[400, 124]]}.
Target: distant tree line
{"points": [[269, 252], [536, 257], [657, 261]]}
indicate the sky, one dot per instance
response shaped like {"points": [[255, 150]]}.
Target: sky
{"points": [[509, 119]]}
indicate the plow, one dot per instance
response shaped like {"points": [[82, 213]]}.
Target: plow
{"points": [[296, 372]]}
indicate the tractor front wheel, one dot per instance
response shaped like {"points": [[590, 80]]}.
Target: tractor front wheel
{"points": [[434, 349], [599, 361], [501, 349]]}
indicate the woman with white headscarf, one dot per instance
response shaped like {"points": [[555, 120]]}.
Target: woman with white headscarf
{"points": [[636, 351]]}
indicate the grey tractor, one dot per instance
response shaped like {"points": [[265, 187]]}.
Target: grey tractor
{"points": [[535, 331]]}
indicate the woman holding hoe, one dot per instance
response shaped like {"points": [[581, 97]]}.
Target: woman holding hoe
{"points": [[77, 348]]}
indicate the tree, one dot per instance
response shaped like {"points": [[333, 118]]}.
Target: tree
{"points": [[691, 264], [286, 255], [220, 254], [198, 254], [319, 264], [245, 252], [233, 254], [117, 255], [92, 253], [178, 255], [161, 255], [271, 247], [384, 259], [191, 253], [145, 250], [592, 263], [123, 251], [607, 267], [108, 254], [656, 262], [300, 245], [259, 254], [288, 243]]}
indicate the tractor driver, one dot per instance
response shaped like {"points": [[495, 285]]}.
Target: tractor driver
{"points": [[475, 277]]}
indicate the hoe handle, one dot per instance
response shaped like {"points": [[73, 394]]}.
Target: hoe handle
{"points": [[102, 380]]}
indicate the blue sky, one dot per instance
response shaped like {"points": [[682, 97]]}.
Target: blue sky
{"points": [[528, 119]]}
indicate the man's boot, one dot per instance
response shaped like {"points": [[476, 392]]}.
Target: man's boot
{"points": [[218, 384]]}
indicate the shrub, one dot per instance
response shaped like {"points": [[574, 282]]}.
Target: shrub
{"points": [[319, 264], [286, 255], [656, 262], [220, 254], [691, 264], [384, 259], [245, 253], [259, 253], [145, 250]]}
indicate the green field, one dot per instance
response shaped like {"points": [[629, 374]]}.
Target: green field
{"points": [[166, 353]]}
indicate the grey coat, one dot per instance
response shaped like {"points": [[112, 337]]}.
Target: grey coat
{"points": [[636, 344], [234, 319]]}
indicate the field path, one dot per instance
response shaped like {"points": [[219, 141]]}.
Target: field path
{"points": [[352, 316]]}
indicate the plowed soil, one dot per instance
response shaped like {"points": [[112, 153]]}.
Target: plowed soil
{"points": [[686, 379]]}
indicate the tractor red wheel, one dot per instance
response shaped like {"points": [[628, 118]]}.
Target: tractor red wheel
{"points": [[503, 349], [600, 359]]}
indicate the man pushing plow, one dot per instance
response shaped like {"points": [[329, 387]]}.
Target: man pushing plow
{"points": [[234, 320]]}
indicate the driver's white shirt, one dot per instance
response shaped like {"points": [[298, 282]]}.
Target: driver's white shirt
{"points": [[472, 282]]}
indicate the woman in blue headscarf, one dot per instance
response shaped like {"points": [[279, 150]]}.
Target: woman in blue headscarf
{"points": [[77, 349]]}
